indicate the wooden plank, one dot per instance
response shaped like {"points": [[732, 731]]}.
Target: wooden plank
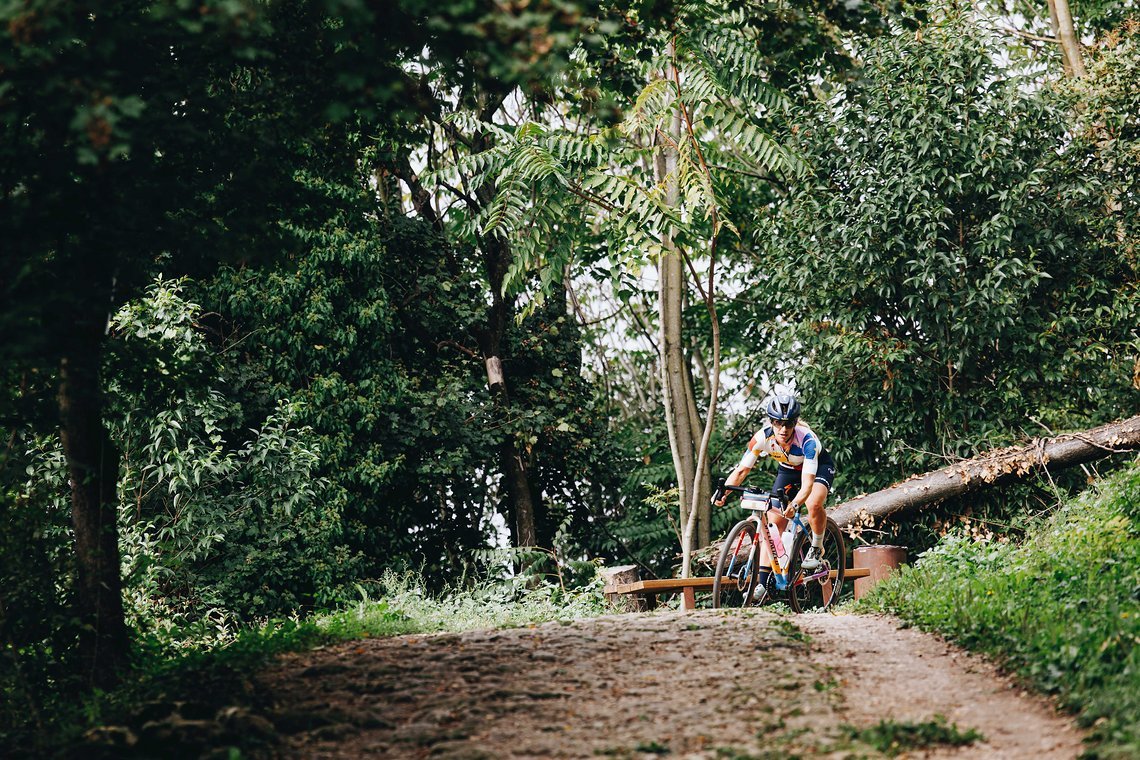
{"points": [[662, 584], [683, 584], [852, 572]]}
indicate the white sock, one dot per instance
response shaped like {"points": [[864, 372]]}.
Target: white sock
{"points": [[817, 540]]}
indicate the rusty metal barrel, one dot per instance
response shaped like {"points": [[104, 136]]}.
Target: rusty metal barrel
{"points": [[881, 560]]}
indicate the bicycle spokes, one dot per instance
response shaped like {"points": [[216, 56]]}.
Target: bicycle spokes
{"points": [[818, 588], [736, 568], [741, 556]]}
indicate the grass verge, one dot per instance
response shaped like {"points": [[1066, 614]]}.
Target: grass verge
{"points": [[1061, 609]]}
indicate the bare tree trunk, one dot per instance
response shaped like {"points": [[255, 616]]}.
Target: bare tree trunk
{"points": [[1056, 24], [497, 257], [681, 417], [701, 491], [1063, 27], [676, 390], [512, 460], [997, 467], [688, 443], [701, 508], [702, 484], [92, 463], [518, 492]]}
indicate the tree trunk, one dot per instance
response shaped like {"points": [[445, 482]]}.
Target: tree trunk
{"points": [[676, 390], [710, 383], [1062, 19], [521, 502], [702, 479], [513, 465], [997, 467], [519, 495], [497, 255], [682, 418], [92, 463]]}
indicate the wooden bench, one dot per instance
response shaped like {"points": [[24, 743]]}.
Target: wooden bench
{"points": [[648, 590]]}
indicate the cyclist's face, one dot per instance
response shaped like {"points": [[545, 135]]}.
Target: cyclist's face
{"points": [[784, 430]]}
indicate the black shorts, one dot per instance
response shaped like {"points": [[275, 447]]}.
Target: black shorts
{"points": [[788, 480]]}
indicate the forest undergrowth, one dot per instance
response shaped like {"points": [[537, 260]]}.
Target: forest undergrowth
{"points": [[213, 664]]}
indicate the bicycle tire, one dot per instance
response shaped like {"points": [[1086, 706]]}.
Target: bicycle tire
{"points": [[738, 563], [819, 594]]}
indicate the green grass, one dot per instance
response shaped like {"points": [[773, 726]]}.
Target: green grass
{"points": [[1061, 609], [892, 738]]}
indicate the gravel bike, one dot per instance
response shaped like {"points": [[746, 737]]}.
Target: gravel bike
{"points": [[737, 572]]}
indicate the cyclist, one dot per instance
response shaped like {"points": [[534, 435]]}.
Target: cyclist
{"points": [[805, 469]]}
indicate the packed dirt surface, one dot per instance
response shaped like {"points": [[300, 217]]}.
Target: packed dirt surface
{"points": [[888, 672], [708, 684]]}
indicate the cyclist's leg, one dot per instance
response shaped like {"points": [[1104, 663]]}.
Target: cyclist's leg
{"points": [[828, 549], [787, 482], [817, 499], [765, 555], [817, 514]]}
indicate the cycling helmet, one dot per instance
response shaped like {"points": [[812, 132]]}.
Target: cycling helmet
{"points": [[783, 406]]}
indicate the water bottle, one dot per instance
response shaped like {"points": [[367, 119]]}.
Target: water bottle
{"points": [[781, 552], [790, 534]]}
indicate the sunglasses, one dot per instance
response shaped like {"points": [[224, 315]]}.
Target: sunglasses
{"points": [[782, 423]]}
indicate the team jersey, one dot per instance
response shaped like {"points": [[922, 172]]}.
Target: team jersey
{"points": [[802, 455]]}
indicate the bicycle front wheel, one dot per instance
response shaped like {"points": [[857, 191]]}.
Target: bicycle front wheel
{"points": [[737, 567], [817, 589]]}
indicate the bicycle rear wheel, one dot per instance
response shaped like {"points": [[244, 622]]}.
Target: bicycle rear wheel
{"points": [[816, 590], [737, 567]]}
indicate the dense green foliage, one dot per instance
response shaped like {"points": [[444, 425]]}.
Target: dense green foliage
{"points": [[1061, 609], [362, 333], [211, 521], [948, 274], [1107, 141]]}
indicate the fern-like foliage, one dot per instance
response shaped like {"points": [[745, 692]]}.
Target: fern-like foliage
{"points": [[704, 108]]}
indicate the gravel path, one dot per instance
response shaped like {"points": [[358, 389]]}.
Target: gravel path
{"points": [[670, 684]]}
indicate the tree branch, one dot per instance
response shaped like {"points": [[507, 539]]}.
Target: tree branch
{"points": [[459, 347], [1027, 35], [421, 198]]}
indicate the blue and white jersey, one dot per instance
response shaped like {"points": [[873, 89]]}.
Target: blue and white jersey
{"points": [[803, 453]]}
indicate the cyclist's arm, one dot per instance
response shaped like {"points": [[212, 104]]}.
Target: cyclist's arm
{"points": [[806, 484], [737, 476]]}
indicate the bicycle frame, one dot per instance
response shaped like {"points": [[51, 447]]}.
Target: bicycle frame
{"points": [[781, 573]]}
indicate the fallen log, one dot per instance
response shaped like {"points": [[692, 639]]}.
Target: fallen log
{"points": [[990, 469]]}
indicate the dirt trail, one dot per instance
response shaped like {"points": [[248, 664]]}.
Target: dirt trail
{"points": [[908, 676], [633, 686]]}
